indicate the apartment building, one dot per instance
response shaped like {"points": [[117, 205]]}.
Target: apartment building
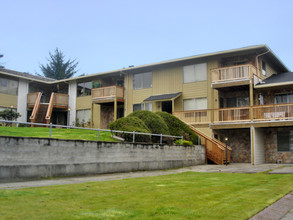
{"points": [[243, 95]]}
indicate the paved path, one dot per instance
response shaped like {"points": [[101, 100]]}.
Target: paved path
{"points": [[282, 209]]}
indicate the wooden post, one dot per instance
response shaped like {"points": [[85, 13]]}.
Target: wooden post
{"points": [[173, 106], [115, 109], [251, 94]]}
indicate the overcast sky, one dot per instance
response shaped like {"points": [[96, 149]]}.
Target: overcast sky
{"points": [[105, 35]]}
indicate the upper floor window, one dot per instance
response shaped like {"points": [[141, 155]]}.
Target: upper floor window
{"points": [[8, 86], [264, 68], [283, 98], [142, 80], [84, 89], [194, 73], [195, 104]]}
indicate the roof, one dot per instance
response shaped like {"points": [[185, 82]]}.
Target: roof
{"points": [[162, 97], [277, 80], [25, 75], [259, 49]]}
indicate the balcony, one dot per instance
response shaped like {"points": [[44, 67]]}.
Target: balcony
{"points": [[108, 94], [59, 100], [232, 76], [240, 117]]}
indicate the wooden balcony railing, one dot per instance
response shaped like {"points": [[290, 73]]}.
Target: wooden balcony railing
{"points": [[50, 108], [31, 98], [233, 73], [60, 100], [108, 93], [194, 117], [269, 112], [231, 114]]}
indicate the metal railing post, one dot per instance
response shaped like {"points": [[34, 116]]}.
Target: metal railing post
{"points": [[161, 139], [133, 138], [50, 130], [98, 135]]}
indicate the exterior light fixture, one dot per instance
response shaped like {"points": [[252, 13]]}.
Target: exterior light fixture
{"points": [[226, 141]]}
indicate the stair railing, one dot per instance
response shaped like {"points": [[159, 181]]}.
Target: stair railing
{"points": [[36, 108], [50, 108]]}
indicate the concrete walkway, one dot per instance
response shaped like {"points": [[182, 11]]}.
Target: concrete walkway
{"points": [[282, 209]]}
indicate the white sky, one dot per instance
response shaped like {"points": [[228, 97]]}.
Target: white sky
{"points": [[105, 35]]}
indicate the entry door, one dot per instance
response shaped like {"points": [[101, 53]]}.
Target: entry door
{"points": [[167, 107]]}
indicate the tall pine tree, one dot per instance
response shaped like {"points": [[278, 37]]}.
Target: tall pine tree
{"points": [[58, 68]]}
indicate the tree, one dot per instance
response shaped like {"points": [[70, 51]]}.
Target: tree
{"points": [[1, 55], [9, 115], [58, 68]]}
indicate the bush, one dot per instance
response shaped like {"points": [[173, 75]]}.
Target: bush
{"points": [[154, 122], [177, 127], [131, 124], [184, 142]]}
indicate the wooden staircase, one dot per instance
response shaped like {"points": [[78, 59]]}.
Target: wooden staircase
{"points": [[42, 111], [215, 149]]}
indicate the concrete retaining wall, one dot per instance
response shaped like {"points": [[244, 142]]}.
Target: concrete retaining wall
{"points": [[39, 157]]}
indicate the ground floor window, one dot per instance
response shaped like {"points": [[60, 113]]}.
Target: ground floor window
{"points": [[148, 106], [285, 140]]}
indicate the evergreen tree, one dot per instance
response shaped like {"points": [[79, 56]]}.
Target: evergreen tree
{"points": [[58, 68]]}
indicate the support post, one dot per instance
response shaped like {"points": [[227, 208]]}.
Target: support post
{"points": [[161, 139], [50, 136], [115, 109], [133, 138], [98, 135]]}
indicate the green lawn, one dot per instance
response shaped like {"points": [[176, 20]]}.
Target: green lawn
{"points": [[59, 133], [180, 196]]}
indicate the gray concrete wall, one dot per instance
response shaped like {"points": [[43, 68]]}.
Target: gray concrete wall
{"points": [[39, 157]]}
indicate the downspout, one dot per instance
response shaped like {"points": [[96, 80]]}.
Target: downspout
{"points": [[256, 58]]}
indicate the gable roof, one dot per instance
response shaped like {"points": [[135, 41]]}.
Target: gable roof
{"points": [[258, 49], [25, 75], [277, 80], [163, 97]]}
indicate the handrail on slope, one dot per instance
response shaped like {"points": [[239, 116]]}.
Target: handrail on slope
{"points": [[36, 107], [50, 108], [215, 149]]}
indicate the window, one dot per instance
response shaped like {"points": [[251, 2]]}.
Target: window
{"points": [[137, 107], [194, 104], [84, 89], [264, 68], [285, 140], [142, 80], [8, 86], [83, 116], [194, 73], [237, 102], [148, 106], [283, 98]]}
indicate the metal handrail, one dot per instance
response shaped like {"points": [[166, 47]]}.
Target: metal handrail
{"points": [[93, 129]]}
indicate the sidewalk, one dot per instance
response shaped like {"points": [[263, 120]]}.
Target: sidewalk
{"points": [[282, 209]]}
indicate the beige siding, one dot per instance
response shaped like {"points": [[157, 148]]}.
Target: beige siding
{"points": [[259, 149], [141, 94], [206, 131], [212, 94], [83, 102], [195, 90], [96, 116], [167, 80], [8, 100]]}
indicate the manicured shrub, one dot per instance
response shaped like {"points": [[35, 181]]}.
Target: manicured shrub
{"points": [[184, 142], [177, 127], [154, 122], [131, 124]]}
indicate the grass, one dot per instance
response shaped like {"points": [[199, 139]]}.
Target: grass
{"points": [[179, 196], [59, 133]]}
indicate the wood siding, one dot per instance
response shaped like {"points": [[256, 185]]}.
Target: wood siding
{"points": [[83, 102], [8, 100]]}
